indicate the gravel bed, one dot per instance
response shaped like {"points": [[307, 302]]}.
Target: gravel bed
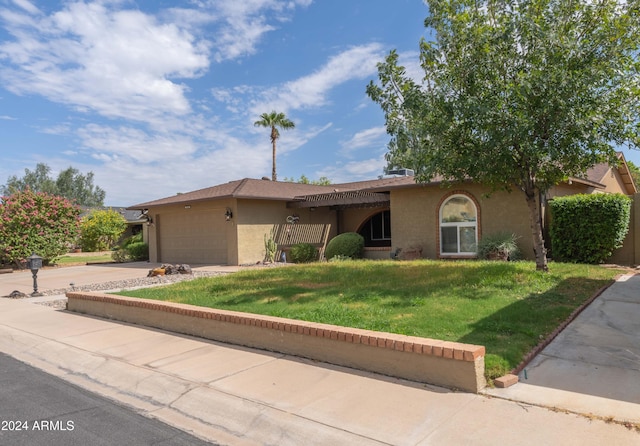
{"points": [[127, 284], [141, 282]]}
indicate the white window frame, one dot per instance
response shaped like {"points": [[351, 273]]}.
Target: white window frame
{"points": [[458, 225]]}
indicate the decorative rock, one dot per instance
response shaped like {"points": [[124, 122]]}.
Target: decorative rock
{"points": [[184, 269], [17, 295], [157, 272]]}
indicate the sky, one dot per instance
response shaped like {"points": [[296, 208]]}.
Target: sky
{"points": [[158, 97]]}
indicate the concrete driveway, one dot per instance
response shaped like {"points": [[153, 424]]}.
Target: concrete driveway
{"points": [[60, 278]]}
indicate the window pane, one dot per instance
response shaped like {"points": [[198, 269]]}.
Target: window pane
{"points": [[376, 227], [468, 239], [387, 224], [449, 239], [458, 209]]}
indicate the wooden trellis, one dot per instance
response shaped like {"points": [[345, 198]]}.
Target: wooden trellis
{"points": [[289, 234]]}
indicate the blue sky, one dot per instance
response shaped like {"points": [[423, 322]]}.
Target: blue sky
{"points": [[157, 97]]}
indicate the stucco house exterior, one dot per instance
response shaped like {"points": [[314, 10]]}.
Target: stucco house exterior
{"points": [[228, 223]]}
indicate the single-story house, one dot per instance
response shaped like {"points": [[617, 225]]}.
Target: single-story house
{"points": [[228, 223]]}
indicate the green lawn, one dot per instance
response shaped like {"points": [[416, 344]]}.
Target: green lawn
{"points": [[507, 307], [83, 258]]}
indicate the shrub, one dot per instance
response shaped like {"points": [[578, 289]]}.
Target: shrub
{"points": [[499, 246], [100, 230], [349, 244], [131, 249], [303, 253], [119, 255], [133, 239], [36, 222], [138, 251], [587, 228]]}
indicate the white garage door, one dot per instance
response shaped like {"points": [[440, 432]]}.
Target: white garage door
{"points": [[192, 237]]}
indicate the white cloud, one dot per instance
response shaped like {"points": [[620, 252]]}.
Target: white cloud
{"points": [[365, 139], [105, 60], [27, 6], [361, 170], [310, 91], [134, 144], [243, 24]]}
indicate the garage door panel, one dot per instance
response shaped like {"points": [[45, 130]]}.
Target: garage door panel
{"points": [[193, 237]]}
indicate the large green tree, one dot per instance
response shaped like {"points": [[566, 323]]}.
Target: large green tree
{"points": [[517, 95], [274, 121], [70, 184]]}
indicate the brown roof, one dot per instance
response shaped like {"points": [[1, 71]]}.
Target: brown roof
{"points": [[381, 184], [598, 172], [249, 188], [245, 188]]}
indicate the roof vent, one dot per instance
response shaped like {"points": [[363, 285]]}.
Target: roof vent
{"points": [[401, 172]]}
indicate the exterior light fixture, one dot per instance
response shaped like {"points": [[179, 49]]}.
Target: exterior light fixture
{"points": [[34, 263], [228, 215]]}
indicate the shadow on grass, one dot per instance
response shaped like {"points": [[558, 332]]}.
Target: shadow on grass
{"points": [[515, 331]]}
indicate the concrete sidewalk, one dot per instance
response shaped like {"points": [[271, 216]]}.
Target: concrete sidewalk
{"points": [[233, 395]]}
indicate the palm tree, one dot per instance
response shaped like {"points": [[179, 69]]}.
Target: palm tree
{"points": [[274, 120]]}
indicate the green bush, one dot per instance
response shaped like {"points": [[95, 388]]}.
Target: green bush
{"points": [[349, 244], [133, 239], [499, 246], [138, 251], [131, 249], [303, 253], [588, 228]]}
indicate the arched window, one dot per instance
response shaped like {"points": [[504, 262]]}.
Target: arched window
{"points": [[377, 230], [458, 226]]}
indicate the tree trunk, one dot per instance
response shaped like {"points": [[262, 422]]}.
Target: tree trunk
{"points": [[535, 217], [274, 137], [273, 164]]}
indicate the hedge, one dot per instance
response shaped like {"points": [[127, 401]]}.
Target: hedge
{"points": [[587, 228]]}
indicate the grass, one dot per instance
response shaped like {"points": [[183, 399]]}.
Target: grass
{"points": [[506, 306], [82, 258]]}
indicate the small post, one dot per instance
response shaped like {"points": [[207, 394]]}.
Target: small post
{"points": [[34, 263]]}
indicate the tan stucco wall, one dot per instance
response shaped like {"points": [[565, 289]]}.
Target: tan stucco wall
{"points": [[255, 218], [414, 216]]}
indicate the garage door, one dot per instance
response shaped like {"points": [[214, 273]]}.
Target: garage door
{"points": [[192, 237]]}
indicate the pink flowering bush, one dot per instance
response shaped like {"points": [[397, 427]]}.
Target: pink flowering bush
{"points": [[36, 222]]}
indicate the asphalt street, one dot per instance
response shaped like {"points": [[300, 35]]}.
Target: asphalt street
{"points": [[38, 409]]}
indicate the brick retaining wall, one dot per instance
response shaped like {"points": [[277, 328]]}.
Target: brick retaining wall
{"points": [[443, 363]]}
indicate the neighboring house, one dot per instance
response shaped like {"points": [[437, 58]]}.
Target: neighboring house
{"points": [[228, 223]]}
